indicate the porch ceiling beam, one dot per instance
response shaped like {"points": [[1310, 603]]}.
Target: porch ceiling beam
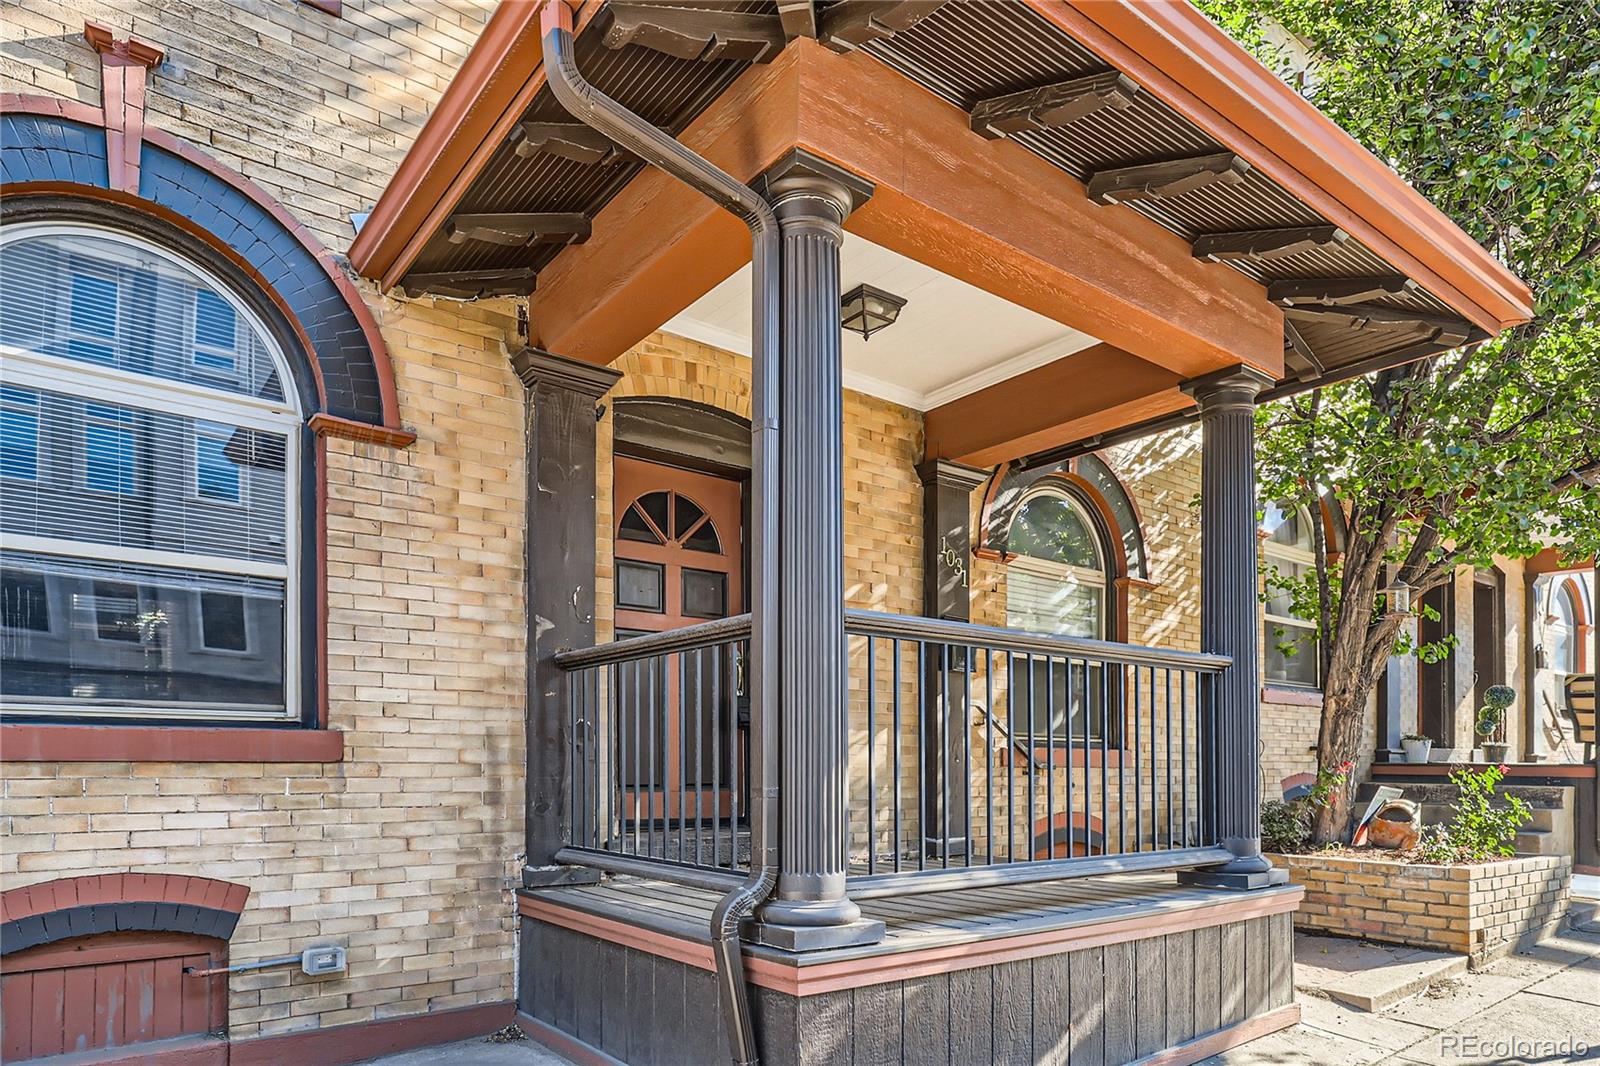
{"points": [[849, 24], [567, 140], [1266, 245], [517, 230], [1376, 316], [1166, 179], [471, 284], [1052, 106], [693, 33], [1335, 291], [1097, 390], [990, 213]]}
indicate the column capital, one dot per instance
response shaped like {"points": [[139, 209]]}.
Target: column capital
{"points": [[535, 367], [799, 176], [1228, 387], [945, 473]]}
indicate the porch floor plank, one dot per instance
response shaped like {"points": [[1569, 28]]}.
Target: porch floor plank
{"points": [[910, 922]]}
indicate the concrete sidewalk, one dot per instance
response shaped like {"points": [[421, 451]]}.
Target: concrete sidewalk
{"points": [[1542, 1005]]}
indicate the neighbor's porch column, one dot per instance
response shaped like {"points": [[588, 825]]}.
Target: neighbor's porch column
{"points": [[560, 539], [1230, 753], [812, 198]]}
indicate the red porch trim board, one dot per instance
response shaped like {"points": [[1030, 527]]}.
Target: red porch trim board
{"points": [[896, 966], [1578, 771], [26, 742], [359, 1041]]}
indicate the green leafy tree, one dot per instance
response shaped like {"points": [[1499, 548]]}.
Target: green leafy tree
{"points": [[1490, 108]]}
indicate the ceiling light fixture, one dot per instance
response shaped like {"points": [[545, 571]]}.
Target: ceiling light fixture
{"points": [[866, 310]]}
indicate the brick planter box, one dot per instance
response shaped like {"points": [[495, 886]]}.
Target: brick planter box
{"points": [[1482, 912]]}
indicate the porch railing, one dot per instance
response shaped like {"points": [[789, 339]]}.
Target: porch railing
{"points": [[659, 765], [975, 755], [982, 754]]}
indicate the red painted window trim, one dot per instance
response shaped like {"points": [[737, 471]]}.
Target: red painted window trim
{"points": [[29, 742]]}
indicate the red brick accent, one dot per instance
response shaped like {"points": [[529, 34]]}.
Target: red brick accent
{"points": [[124, 67], [27, 742], [90, 889]]}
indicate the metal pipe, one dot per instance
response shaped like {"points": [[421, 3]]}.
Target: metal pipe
{"points": [[654, 146]]}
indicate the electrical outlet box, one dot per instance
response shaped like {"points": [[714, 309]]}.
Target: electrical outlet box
{"points": [[318, 961]]}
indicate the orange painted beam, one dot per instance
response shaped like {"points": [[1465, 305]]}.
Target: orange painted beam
{"points": [[1093, 391], [988, 212]]}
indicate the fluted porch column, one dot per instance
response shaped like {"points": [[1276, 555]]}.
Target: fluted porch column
{"points": [[1230, 624], [812, 198]]}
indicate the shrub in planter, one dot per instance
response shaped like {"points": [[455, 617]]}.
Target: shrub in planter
{"points": [[1285, 827], [1482, 829], [1416, 747]]}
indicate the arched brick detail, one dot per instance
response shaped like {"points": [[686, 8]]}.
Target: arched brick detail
{"points": [[1051, 834], [112, 903], [52, 147]]}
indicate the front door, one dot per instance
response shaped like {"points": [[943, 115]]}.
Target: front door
{"points": [[678, 562]]}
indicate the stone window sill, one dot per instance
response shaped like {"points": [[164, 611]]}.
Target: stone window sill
{"points": [[30, 742]]}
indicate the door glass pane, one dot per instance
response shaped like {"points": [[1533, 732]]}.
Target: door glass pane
{"points": [[705, 593], [655, 506], [634, 527], [705, 540], [688, 513], [641, 586]]}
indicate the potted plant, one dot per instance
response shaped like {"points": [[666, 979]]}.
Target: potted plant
{"points": [[1496, 698], [1416, 747]]}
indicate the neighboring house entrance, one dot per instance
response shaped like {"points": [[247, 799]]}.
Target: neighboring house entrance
{"points": [[679, 561], [1436, 681], [111, 990]]}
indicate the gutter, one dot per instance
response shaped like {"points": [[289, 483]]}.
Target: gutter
{"points": [[657, 148]]}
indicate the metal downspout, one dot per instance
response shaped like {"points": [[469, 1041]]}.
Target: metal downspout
{"points": [[655, 146]]}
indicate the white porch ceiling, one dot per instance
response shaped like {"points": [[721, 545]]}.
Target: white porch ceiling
{"points": [[950, 340]]}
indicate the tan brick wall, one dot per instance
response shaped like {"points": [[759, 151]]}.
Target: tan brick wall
{"points": [[1483, 911], [316, 110]]}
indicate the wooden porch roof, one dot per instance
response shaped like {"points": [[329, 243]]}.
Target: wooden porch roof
{"points": [[1194, 135]]}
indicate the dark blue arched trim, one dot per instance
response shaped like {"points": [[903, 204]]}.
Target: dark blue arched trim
{"points": [[37, 149]]}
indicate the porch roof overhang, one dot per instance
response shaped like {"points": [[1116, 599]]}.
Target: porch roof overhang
{"points": [[1268, 235]]}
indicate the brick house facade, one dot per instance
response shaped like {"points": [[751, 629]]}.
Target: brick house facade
{"points": [[382, 805]]}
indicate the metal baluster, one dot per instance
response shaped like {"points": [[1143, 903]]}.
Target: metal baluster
{"points": [[988, 754], [1183, 723], [638, 738], [1166, 677], [1027, 827], [1122, 769], [600, 750], [941, 729], [922, 761], [1011, 758], [1072, 800], [1105, 757], [734, 754], [683, 753], [1050, 755], [966, 752], [1138, 767], [899, 745], [872, 757], [574, 759]]}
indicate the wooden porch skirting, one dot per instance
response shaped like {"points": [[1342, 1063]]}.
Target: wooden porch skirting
{"points": [[1111, 971]]}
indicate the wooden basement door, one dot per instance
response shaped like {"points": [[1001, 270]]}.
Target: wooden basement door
{"points": [[679, 561], [110, 990]]}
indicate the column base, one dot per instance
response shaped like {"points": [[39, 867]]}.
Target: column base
{"points": [[552, 876], [800, 938], [1237, 880]]}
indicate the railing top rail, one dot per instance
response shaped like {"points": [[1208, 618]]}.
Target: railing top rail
{"points": [[699, 635], [943, 631]]}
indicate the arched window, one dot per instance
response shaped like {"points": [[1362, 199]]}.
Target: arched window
{"points": [[1289, 637], [1056, 582], [1561, 629], [149, 476]]}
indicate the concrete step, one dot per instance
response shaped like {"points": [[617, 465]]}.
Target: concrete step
{"points": [[1539, 842], [1365, 975]]}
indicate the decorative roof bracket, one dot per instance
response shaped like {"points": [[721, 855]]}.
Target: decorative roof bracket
{"points": [[849, 24], [1167, 179], [1448, 331], [566, 140], [1052, 106], [472, 284], [519, 229], [1336, 291], [693, 33], [1266, 245]]}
